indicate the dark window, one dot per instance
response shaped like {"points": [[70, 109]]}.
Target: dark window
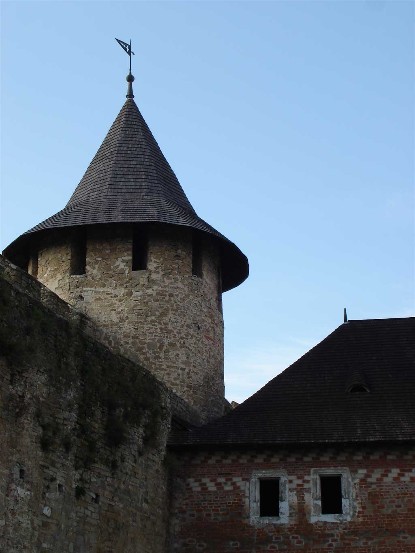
{"points": [[78, 253], [219, 288], [196, 255], [33, 264], [140, 250], [60, 488], [21, 474], [269, 494], [331, 494]]}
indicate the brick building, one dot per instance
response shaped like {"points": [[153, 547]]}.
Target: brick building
{"points": [[320, 459], [113, 409]]}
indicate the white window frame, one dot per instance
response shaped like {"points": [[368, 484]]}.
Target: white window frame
{"points": [[346, 488], [254, 499]]}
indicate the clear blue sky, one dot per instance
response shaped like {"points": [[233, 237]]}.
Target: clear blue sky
{"points": [[290, 125]]}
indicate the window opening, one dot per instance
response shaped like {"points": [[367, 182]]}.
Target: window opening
{"points": [[331, 494], [78, 253], [32, 268], [269, 494], [196, 255], [140, 250], [219, 287], [268, 497], [21, 474]]}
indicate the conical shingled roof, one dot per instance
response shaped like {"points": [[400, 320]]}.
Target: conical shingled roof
{"points": [[128, 163], [130, 181]]}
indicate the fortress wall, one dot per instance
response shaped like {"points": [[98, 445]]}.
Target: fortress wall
{"points": [[83, 433]]}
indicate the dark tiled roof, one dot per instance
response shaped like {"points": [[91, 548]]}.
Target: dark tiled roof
{"points": [[310, 403], [130, 181]]}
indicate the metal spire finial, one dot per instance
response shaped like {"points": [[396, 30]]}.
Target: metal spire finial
{"points": [[130, 77]]}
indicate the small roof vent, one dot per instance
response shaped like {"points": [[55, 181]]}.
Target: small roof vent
{"points": [[358, 389], [357, 383]]}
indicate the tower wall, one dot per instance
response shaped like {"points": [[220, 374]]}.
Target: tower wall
{"points": [[164, 317]]}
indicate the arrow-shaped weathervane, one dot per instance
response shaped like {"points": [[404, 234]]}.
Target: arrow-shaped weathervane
{"points": [[126, 47]]}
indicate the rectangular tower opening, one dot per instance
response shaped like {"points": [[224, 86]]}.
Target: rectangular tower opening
{"points": [[32, 267], [219, 287], [197, 255], [78, 252], [331, 494], [140, 250]]}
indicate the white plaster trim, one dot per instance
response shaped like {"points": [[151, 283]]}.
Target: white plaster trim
{"points": [[254, 517], [346, 481]]}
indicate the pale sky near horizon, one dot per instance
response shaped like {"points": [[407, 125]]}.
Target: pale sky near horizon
{"points": [[290, 126]]}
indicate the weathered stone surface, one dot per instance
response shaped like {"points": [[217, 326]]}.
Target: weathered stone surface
{"points": [[82, 432], [164, 317]]}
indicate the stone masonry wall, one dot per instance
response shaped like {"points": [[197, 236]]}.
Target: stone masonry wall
{"points": [[164, 317], [213, 498], [82, 432]]}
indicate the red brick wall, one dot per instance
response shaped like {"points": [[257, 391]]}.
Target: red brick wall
{"points": [[211, 512]]}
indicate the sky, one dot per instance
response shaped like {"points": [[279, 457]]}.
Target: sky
{"points": [[290, 125]]}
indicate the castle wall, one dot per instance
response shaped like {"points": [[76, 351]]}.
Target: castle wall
{"points": [[214, 500], [82, 432], [164, 317]]}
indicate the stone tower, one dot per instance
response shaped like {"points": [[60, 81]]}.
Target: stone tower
{"points": [[130, 251]]}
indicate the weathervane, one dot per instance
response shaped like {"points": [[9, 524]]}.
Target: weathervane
{"points": [[130, 78]]}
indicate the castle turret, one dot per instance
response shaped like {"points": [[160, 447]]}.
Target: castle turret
{"points": [[130, 251]]}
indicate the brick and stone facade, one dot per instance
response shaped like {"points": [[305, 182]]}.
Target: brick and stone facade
{"points": [[109, 367], [212, 503]]}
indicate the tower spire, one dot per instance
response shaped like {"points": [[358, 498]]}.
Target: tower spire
{"points": [[129, 181], [130, 77]]}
